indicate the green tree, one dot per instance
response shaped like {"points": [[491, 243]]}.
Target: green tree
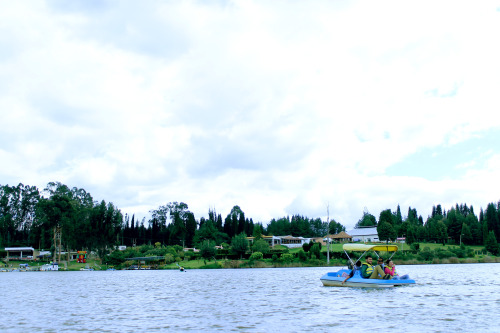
{"points": [[302, 255], [398, 217], [454, 221], [54, 212], [261, 245], [492, 244], [286, 257], [410, 234], [105, 223], [386, 216], [335, 228], [208, 250], [367, 220], [466, 234], [492, 219], [442, 234], [315, 251], [258, 231], [179, 215], [256, 256], [239, 244], [386, 232]]}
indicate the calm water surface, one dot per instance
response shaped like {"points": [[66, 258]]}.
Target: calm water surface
{"points": [[447, 298]]}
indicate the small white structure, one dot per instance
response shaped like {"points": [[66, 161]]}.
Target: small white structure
{"points": [[291, 242], [50, 267], [288, 241], [365, 234]]}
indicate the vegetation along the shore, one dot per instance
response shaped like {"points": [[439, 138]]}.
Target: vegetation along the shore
{"points": [[28, 218]]}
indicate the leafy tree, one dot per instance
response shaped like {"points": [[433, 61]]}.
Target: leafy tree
{"points": [[286, 257], [302, 255], [398, 218], [179, 215], [207, 250], [442, 233], [105, 224], [454, 222], [367, 220], [315, 250], [386, 216], [278, 227], [257, 231], [386, 231], [169, 258], [191, 226], [492, 219], [17, 213], [335, 228], [261, 245], [239, 244], [437, 212], [256, 256], [410, 234], [492, 244], [466, 234], [207, 231]]}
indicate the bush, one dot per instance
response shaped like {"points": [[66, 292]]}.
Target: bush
{"points": [[442, 254], [169, 258], [315, 250], [115, 258], [459, 252], [190, 255], [302, 255], [286, 257], [426, 255], [415, 247], [256, 256]]}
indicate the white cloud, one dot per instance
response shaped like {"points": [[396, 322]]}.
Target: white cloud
{"points": [[280, 108]]}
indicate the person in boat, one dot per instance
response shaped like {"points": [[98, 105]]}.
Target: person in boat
{"points": [[380, 262], [368, 271], [390, 269], [357, 267]]}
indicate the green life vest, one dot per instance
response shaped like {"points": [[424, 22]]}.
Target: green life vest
{"points": [[368, 271]]}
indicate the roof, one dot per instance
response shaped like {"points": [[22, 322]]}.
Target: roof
{"points": [[363, 232], [341, 234], [291, 237], [19, 249], [146, 258], [367, 247]]}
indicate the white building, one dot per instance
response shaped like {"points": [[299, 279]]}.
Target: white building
{"points": [[364, 234], [288, 241]]}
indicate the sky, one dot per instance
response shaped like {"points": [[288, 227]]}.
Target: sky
{"points": [[279, 107]]}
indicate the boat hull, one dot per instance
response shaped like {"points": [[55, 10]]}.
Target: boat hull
{"points": [[334, 279]]}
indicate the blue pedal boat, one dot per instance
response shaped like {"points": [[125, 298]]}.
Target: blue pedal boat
{"points": [[334, 279]]}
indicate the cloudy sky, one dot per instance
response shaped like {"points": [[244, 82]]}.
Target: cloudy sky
{"points": [[280, 107]]}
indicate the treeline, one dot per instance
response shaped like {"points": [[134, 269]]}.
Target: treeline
{"points": [[30, 217], [456, 225]]}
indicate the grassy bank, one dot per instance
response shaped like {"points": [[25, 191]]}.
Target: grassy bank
{"points": [[427, 253]]}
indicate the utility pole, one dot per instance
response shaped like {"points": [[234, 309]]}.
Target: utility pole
{"points": [[57, 244], [327, 234]]}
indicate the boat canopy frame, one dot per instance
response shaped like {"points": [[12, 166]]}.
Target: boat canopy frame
{"points": [[368, 247]]}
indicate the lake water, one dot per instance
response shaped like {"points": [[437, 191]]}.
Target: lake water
{"points": [[446, 298]]}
